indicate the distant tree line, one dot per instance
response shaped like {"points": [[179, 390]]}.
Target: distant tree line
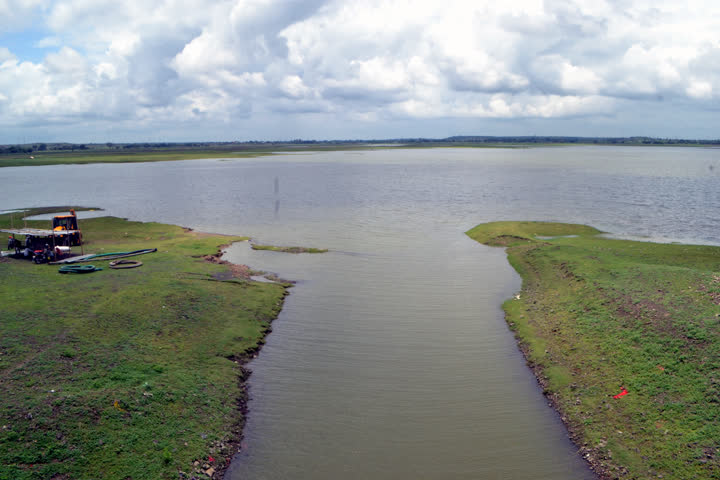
{"points": [[583, 140], [39, 147], [14, 149]]}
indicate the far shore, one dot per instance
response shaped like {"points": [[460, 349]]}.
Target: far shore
{"points": [[37, 154]]}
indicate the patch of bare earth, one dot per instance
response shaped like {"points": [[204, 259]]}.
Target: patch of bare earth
{"points": [[242, 272], [649, 313], [506, 240], [715, 296]]}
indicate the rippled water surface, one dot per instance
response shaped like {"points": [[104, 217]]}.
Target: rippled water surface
{"points": [[391, 358]]}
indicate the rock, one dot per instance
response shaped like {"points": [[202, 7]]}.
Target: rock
{"points": [[209, 472]]}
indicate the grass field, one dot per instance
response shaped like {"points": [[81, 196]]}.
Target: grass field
{"points": [[598, 315], [127, 374]]}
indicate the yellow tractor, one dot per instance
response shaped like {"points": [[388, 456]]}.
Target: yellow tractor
{"points": [[67, 223]]}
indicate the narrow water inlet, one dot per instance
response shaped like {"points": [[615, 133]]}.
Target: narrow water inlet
{"points": [[398, 364]]}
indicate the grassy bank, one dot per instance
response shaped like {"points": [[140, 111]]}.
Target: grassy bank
{"points": [[127, 374], [596, 316]]}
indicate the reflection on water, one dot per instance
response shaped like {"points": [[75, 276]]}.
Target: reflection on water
{"points": [[277, 197], [391, 358]]}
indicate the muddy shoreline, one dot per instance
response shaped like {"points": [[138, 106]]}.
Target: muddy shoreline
{"points": [[590, 455], [231, 447]]}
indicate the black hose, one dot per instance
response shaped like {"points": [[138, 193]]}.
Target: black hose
{"points": [[116, 264]]}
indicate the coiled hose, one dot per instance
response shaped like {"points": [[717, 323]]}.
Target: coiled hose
{"points": [[117, 264]]}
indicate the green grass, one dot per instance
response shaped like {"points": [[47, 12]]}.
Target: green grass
{"points": [[123, 374], [597, 314], [273, 248]]}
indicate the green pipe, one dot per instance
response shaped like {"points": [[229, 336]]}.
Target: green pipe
{"points": [[78, 269]]}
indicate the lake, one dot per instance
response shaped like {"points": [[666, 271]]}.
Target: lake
{"points": [[391, 358]]}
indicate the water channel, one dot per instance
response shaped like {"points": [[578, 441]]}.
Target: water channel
{"points": [[391, 358]]}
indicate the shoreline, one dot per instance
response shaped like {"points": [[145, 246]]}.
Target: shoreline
{"points": [[142, 373], [596, 317], [233, 445], [157, 153], [574, 434]]}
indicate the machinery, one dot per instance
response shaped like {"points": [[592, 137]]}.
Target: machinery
{"points": [[68, 223], [46, 245]]}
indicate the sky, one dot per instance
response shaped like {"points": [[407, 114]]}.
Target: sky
{"points": [[237, 70]]}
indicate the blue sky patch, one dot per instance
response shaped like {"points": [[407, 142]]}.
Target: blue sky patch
{"points": [[29, 45]]}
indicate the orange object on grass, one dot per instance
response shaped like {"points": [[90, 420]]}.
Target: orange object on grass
{"points": [[621, 394]]}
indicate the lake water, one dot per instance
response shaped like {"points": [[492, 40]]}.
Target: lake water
{"points": [[391, 358]]}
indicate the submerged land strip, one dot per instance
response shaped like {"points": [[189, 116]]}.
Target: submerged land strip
{"points": [[624, 338], [132, 373], [274, 248]]}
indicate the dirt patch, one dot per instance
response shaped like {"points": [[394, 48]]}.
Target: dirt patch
{"points": [[715, 296], [235, 272], [242, 272], [647, 312], [567, 273], [507, 240]]}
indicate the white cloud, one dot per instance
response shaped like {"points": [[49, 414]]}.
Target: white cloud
{"points": [[700, 90], [46, 42], [106, 70], [372, 60], [559, 75], [205, 53], [579, 79], [16, 14], [124, 44], [66, 62], [5, 55], [293, 86], [501, 105]]}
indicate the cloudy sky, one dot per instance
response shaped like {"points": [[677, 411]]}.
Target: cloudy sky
{"points": [[174, 70]]}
